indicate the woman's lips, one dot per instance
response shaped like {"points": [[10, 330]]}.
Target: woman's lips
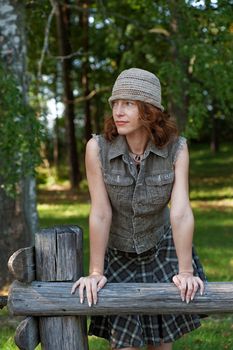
{"points": [[120, 123]]}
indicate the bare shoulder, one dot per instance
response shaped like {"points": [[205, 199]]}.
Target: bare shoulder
{"points": [[98, 193], [182, 156], [92, 146], [92, 152]]}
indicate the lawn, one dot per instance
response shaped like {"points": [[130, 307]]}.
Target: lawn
{"points": [[211, 192]]}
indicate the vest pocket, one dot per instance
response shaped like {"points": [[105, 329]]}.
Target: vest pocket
{"points": [[118, 186], [159, 187]]}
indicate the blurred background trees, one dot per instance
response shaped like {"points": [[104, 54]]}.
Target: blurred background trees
{"points": [[76, 48], [64, 56]]}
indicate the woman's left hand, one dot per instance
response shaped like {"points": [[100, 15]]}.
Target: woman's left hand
{"points": [[188, 285]]}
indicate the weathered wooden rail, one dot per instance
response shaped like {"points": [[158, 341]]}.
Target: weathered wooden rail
{"points": [[53, 298], [42, 291]]}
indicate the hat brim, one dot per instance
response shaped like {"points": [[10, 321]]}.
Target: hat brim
{"points": [[135, 98]]}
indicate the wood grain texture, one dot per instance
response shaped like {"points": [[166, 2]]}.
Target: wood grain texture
{"points": [[59, 254], [27, 334], [63, 333], [41, 298], [59, 258], [22, 264]]}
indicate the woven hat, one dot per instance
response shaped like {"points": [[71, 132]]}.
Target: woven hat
{"points": [[137, 84]]}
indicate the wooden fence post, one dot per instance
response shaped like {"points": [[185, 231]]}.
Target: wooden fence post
{"points": [[22, 266], [58, 254]]}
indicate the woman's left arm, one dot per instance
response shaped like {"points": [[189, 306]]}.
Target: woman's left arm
{"points": [[182, 223]]}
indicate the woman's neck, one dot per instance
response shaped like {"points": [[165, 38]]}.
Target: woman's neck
{"points": [[137, 143]]}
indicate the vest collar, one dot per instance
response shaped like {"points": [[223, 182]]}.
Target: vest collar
{"points": [[162, 152], [119, 147]]}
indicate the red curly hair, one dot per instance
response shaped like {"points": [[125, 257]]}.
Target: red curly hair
{"points": [[160, 126]]}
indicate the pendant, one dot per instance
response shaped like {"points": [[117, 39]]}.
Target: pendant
{"points": [[137, 157]]}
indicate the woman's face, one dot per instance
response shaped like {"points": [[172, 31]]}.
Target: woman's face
{"points": [[126, 116]]}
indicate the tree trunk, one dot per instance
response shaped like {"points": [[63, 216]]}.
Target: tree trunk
{"points": [[56, 128], [85, 69], [18, 216], [56, 145], [214, 143], [62, 19], [97, 116], [179, 105]]}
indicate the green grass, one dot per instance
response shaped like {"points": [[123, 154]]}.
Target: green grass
{"points": [[214, 334], [7, 329], [212, 201], [214, 241], [211, 176]]}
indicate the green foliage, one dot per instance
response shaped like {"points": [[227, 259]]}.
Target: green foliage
{"points": [[188, 45], [19, 134]]}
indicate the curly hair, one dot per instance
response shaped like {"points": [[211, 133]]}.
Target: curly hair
{"points": [[161, 127]]}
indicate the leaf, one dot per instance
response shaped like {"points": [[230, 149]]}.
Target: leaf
{"points": [[160, 31]]}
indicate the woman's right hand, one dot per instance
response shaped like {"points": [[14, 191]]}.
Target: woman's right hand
{"points": [[92, 283]]}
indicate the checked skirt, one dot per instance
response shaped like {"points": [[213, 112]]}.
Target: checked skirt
{"points": [[159, 264]]}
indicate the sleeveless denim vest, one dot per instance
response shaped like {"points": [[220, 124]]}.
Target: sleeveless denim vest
{"points": [[139, 200]]}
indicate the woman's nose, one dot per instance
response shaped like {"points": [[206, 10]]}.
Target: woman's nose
{"points": [[119, 109]]}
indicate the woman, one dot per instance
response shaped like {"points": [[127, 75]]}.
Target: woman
{"points": [[133, 172]]}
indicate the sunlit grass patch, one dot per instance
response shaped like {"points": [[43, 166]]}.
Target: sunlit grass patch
{"points": [[70, 211], [212, 191], [8, 325], [214, 240], [6, 338], [96, 343], [211, 176]]}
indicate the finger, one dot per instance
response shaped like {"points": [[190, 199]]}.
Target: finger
{"points": [[75, 286], [189, 289], [101, 283], [176, 281], [201, 285], [195, 288], [89, 292], [94, 290], [81, 288], [183, 287]]}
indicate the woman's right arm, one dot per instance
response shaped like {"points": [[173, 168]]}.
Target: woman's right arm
{"points": [[99, 226]]}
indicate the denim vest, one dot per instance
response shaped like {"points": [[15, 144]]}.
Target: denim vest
{"points": [[140, 215]]}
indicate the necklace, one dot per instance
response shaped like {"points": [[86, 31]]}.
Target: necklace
{"points": [[136, 157]]}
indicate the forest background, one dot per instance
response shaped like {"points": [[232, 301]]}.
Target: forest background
{"points": [[58, 61]]}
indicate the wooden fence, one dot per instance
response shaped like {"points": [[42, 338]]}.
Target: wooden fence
{"points": [[42, 291]]}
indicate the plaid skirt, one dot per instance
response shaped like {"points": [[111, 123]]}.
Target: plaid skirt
{"points": [[159, 264]]}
